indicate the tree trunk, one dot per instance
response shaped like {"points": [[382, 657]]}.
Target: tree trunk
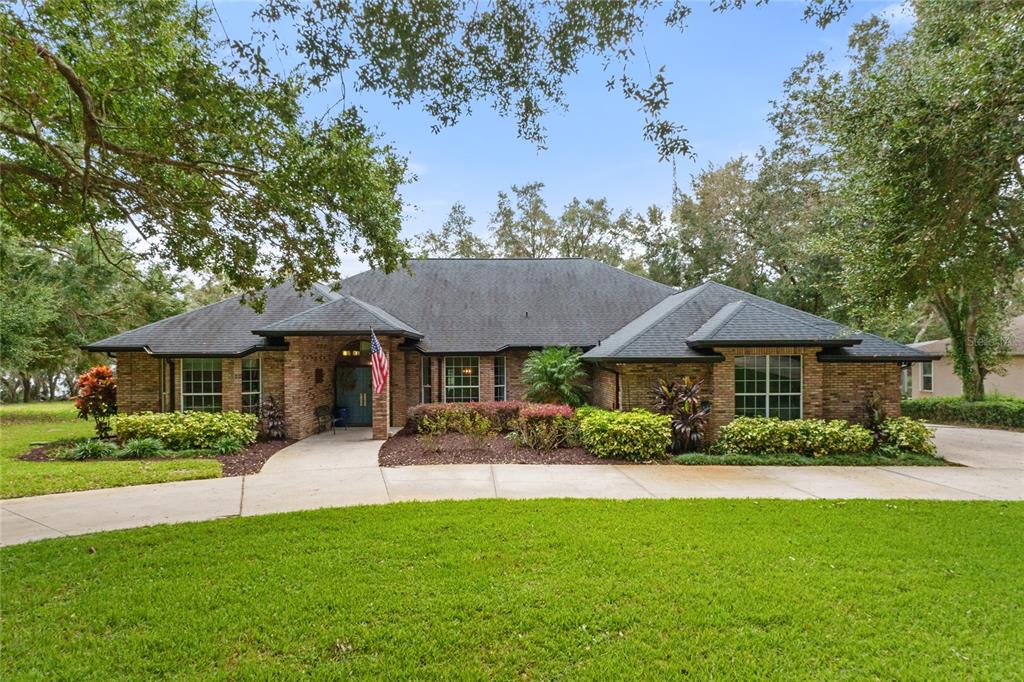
{"points": [[26, 387], [961, 318], [51, 386]]}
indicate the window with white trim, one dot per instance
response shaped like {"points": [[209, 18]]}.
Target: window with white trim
{"points": [[462, 379], [769, 386], [500, 378], [926, 376], [201, 384], [252, 385], [426, 389]]}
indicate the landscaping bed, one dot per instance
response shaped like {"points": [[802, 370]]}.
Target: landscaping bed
{"points": [[406, 448], [532, 589]]}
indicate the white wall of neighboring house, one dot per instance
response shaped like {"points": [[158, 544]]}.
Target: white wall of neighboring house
{"points": [[945, 382]]}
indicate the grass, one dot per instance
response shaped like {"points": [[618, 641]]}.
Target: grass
{"points": [[580, 589], [23, 424], [904, 459]]}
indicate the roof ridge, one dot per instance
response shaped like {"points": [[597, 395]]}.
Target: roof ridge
{"points": [[763, 298], [375, 310], [736, 307], [687, 296]]}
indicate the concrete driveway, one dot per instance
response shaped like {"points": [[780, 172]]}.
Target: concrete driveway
{"points": [[337, 470], [980, 448]]}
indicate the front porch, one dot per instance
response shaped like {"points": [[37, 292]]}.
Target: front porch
{"points": [[354, 447]]}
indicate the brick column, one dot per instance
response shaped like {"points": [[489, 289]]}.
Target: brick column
{"points": [[231, 384], [396, 380], [486, 378], [381, 407]]}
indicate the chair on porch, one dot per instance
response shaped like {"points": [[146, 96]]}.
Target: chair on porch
{"points": [[340, 418], [322, 415]]}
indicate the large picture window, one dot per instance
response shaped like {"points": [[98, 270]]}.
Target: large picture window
{"points": [[426, 389], [462, 379], [500, 378], [251, 386], [201, 386], [768, 386]]}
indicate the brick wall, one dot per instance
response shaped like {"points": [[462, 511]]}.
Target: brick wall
{"points": [[138, 382], [605, 386], [638, 380], [397, 380], [847, 386], [302, 393]]}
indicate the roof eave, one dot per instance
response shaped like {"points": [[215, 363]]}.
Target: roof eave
{"points": [[824, 343], [204, 354], [918, 357]]}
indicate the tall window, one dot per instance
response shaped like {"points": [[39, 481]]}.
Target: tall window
{"points": [[201, 384], [768, 386], [500, 378], [462, 379], [251, 385], [926, 376], [906, 382], [426, 392]]}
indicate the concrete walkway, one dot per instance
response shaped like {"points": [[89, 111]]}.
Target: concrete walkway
{"points": [[341, 470]]}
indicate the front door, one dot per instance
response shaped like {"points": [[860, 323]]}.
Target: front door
{"points": [[353, 389]]}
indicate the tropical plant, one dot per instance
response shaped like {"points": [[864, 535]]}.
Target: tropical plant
{"points": [[97, 397], [227, 445], [90, 449], [555, 375], [874, 409], [272, 421], [682, 402]]}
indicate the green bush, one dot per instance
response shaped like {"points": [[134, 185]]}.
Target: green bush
{"points": [[137, 448], [227, 445], [501, 414], [90, 449], [809, 437], [997, 411], [466, 422], [908, 435], [638, 435], [187, 430], [545, 427]]}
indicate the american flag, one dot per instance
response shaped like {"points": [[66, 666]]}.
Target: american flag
{"points": [[378, 365]]}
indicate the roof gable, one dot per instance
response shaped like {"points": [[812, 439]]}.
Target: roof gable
{"points": [[344, 315]]}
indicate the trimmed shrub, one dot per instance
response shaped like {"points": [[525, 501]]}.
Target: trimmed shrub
{"points": [[908, 435], [227, 445], [136, 448], [809, 437], [638, 435], [544, 427], [187, 430], [90, 449], [997, 411], [501, 414], [466, 422]]}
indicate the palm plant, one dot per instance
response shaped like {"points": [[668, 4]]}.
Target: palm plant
{"points": [[555, 375]]}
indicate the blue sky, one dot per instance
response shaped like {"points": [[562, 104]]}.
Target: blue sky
{"points": [[725, 67]]}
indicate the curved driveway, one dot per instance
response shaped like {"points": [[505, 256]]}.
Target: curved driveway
{"points": [[341, 470]]}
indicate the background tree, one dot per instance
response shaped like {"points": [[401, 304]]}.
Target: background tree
{"points": [[926, 139], [524, 229], [455, 239], [588, 229], [123, 113]]}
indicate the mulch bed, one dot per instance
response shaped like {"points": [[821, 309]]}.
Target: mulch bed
{"points": [[248, 461], [252, 459], [407, 449]]}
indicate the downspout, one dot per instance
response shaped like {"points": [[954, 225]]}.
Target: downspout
{"points": [[170, 364]]}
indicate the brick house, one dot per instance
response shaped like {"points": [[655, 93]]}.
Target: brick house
{"points": [[460, 329]]}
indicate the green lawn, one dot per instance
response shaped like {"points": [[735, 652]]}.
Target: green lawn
{"points": [[532, 589], [23, 424]]}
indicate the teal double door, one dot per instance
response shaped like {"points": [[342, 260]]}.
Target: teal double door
{"points": [[353, 388]]}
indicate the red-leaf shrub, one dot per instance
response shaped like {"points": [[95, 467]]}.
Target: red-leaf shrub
{"points": [[97, 397], [545, 427]]}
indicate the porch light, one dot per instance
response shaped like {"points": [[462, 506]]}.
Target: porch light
{"points": [[346, 353]]}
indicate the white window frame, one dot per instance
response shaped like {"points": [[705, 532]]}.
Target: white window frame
{"points": [[259, 391], [503, 384], [426, 379], [906, 381], [767, 383], [927, 378], [463, 387], [182, 392]]}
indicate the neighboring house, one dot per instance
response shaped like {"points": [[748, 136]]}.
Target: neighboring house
{"points": [[937, 377], [460, 329]]}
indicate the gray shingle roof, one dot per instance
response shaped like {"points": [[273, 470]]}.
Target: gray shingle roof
{"points": [[344, 315], [473, 305], [663, 332], [743, 322], [223, 328]]}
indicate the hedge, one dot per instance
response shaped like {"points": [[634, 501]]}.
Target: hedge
{"points": [[545, 427], [809, 437], [638, 435], [187, 430], [501, 414], [1004, 412]]}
